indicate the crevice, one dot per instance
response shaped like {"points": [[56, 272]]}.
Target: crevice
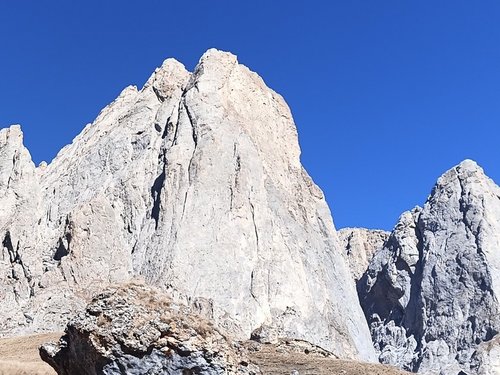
{"points": [[15, 258], [61, 250], [194, 135], [159, 96], [156, 190], [7, 243], [184, 202], [237, 168], [172, 126], [251, 288], [14, 161], [191, 170], [252, 210]]}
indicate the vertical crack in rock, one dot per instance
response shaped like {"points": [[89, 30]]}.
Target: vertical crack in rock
{"points": [[16, 258], [194, 134], [234, 186], [173, 124], [7, 244], [252, 211], [156, 191], [158, 94], [191, 169], [252, 281]]}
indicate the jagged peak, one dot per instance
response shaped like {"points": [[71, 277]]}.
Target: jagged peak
{"points": [[13, 138], [465, 168], [465, 173], [12, 130], [214, 55], [166, 78], [469, 164], [213, 66]]}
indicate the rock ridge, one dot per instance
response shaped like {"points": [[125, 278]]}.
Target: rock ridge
{"points": [[194, 183], [431, 294]]}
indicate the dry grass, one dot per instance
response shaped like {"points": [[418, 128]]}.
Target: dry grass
{"points": [[273, 362], [19, 355]]}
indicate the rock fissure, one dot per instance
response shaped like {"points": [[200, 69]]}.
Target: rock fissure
{"points": [[156, 192]]}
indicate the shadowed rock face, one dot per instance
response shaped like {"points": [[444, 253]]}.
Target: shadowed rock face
{"points": [[195, 184], [431, 295]]}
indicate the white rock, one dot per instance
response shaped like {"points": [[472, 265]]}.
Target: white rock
{"points": [[195, 184], [360, 245]]}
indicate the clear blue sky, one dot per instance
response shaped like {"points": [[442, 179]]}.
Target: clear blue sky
{"points": [[387, 94]]}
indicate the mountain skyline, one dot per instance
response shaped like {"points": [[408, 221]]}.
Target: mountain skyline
{"points": [[380, 113]]}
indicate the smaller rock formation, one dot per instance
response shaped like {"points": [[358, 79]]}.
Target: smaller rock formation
{"points": [[431, 294], [135, 329], [360, 245]]}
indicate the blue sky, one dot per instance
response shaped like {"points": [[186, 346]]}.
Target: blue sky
{"points": [[386, 95]]}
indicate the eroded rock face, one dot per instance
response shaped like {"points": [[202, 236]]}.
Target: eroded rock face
{"points": [[360, 245], [431, 295], [194, 183], [134, 329], [486, 358]]}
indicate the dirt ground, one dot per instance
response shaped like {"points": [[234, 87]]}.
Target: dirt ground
{"points": [[19, 355], [271, 361]]}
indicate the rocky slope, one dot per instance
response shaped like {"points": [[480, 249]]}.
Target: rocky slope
{"points": [[194, 183], [135, 329], [431, 296], [360, 245]]}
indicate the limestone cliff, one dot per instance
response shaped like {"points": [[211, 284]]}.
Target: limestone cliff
{"points": [[360, 245], [431, 296], [194, 183]]}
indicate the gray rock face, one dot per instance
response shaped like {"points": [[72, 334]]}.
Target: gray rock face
{"points": [[431, 295], [360, 245], [134, 329], [195, 184], [486, 358]]}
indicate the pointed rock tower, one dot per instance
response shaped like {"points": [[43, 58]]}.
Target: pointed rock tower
{"points": [[195, 184], [431, 296]]}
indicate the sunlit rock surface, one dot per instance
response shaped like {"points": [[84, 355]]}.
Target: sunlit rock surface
{"points": [[194, 183], [431, 295]]}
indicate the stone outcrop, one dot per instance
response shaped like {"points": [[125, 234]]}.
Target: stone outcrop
{"points": [[194, 183], [431, 295], [134, 329], [360, 245]]}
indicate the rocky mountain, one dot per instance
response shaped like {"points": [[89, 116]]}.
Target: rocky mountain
{"points": [[431, 295], [360, 246], [193, 183]]}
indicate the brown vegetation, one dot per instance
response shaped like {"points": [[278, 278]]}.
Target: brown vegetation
{"points": [[19, 355], [277, 360]]}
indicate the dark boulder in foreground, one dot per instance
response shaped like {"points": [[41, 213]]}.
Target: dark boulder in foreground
{"points": [[134, 329]]}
